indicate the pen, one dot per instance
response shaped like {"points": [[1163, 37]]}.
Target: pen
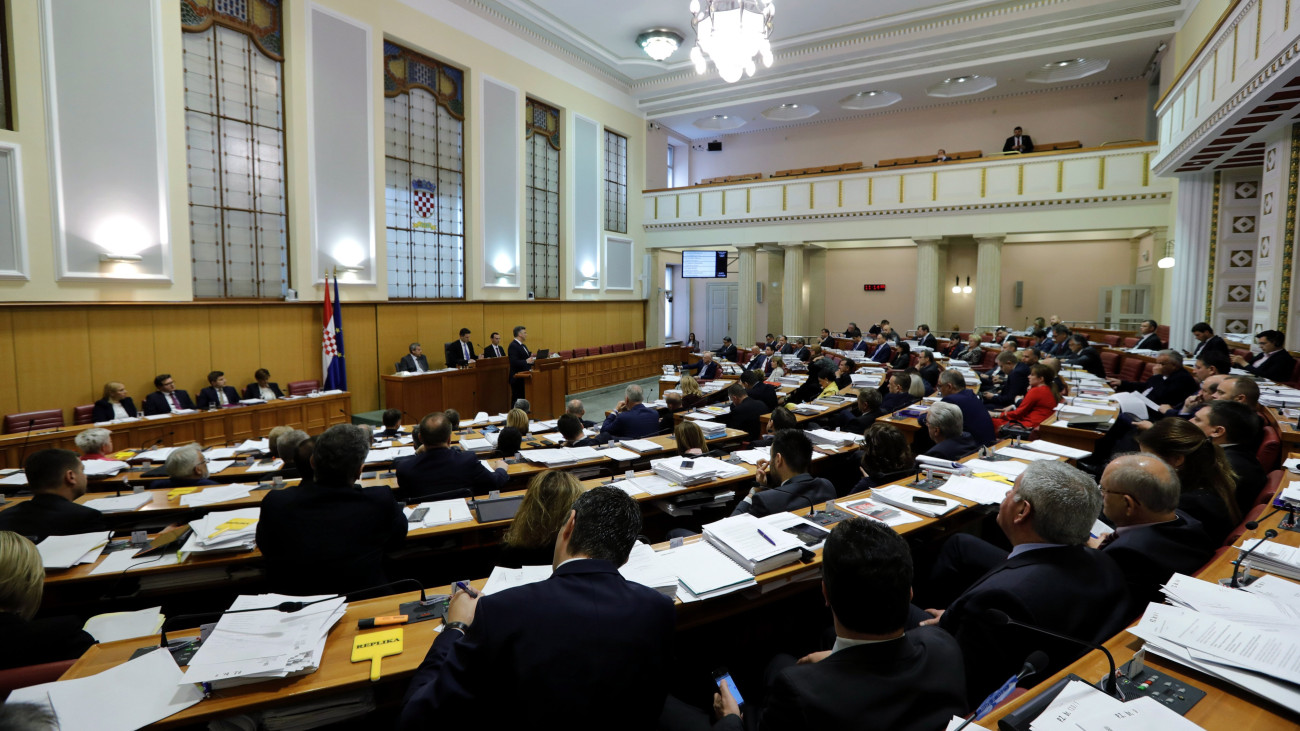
{"points": [[765, 537], [465, 587]]}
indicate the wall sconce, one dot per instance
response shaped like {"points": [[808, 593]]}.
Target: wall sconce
{"points": [[958, 289], [348, 268], [588, 272], [503, 266], [967, 288], [1167, 261], [121, 258]]}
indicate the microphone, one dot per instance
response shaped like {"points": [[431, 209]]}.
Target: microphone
{"points": [[1235, 582], [22, 454], [286, 607], [999, 618], [1034, 664], [156, 442], [1254, 524], [416, 611]]}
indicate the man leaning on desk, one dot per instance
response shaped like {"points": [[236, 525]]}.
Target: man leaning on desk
{"points": [[584, 649]]}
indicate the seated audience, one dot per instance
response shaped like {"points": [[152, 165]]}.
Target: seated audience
{"points": [[494, 666], [1242, 389], [1170, 384], [1149, 340], [576, 408], [631, 419], [902, 359], [1050, 579], [690, 439], [886, 457], [573, 433], [944, 423], [530, 539], [727, 351], [757, 360], [392, 420], [884, 352], [778, 368], [1038, 404], [760, 390], [1208, 489], [273, 437], [972, 352], [509, 441], [1153, 539], [262, 387], [925, 338], [974, 416], [863, 413], [928, 369], [217, 393], [692, 395], [705, 369], [779, 419], [95, 443], [438, 471], [1059, 344], [784, 483], [522, 405], [56, 478], [746, 413], [1234, 427], [899, 395], [27, 640], [827, 341], [826, 382], [1273, 361], [330, 537], [1206, 340], [115, 404], [692, 342], [186, 467], [673, 405], [1014, 377], [1083, 355]]}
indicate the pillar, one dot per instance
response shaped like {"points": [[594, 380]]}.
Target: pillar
{"points": [[988, 280], [1273, 259], [1190, 276], [927, 281], [793, 315], [747, 297], [655, 296]]}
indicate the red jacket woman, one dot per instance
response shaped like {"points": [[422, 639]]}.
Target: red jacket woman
{"points": [[1038, 403]]}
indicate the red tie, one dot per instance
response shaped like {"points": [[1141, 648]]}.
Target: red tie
{"points": [[176, 403]]}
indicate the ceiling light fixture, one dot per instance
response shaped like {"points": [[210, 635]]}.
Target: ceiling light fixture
{"points": [[1067, 69], [731, 33], [870, 100], [1167, 261], [788, 112], [659, 43], [962, 86], [720, 121]]}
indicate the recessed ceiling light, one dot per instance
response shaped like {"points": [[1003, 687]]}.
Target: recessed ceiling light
{"points": [[962, 85], [1067, 70], [719, 121], [659, 43], [870, 99], [787, 112]]}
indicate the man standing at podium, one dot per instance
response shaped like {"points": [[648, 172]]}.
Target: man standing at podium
{"points": [[521, 359]]}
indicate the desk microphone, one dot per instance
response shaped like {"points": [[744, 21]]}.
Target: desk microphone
{"points": [[1034, 664], [416, 611], [1254, 524], [185, 650], [998, 618], [22, 455], [156, 442], [1235, 582]]}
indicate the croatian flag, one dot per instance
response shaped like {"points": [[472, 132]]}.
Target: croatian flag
{"points": [[331, 349]]}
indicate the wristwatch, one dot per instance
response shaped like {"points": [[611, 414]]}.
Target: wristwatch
{"points": [[464, 628]]}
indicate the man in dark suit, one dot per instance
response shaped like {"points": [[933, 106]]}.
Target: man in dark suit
{"points": [[330, 537], [864, 413], [186, 467], [945, 426], [494, 350], [925, 338], [1084, 356], [757, 360], [746, 412], [905, 681], [1149, 340], [1235, 427], [760, 390], [415, 361], [1050, 579], [631, 419], [574, 651], [521, 359], [167, 398], [217, 394], [769, 342], [884, 352], [1170, 384], [1015, 381], [1152, 538], [704, 368], [57, 478], [576, 408], [1018, 142], [928, 369], [262, 387], [975, 417], [859, 344], [1273, 361], [727, 351], [460, 352], [801, 350], [1059, 344], [570, 428], [1207, 341], [439, 470], [392, 421], [783, 346], [784, 483]]}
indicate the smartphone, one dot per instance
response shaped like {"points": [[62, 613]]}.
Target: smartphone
{"points": [[688, 464], [417, 515], [929, 500], [721, 676]]}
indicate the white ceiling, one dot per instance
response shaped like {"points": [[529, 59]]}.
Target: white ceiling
{"points": [[827, 49]]}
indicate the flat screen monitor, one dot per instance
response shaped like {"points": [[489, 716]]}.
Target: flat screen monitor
{"points": [[704, 264]]}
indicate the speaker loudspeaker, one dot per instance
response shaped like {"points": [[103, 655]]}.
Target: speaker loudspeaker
{"points": [[1020, 294]]}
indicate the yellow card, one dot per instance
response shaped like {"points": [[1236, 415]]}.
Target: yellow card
{"points": [[233, 524], [177, 492], [375, 646]]}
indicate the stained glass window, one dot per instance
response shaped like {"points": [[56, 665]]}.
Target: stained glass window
{"points": [[424, 189], [542, 176], [234, 130], [615, 182]]}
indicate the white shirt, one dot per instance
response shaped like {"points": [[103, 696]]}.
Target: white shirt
{"points": [[415, 360], [267, 393], [844, 643], [119, 411]]}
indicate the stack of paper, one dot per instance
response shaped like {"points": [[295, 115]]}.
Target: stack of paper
{"points": [[64, 552], [1135, 404], [14, 479], [216, 494], [705, 572], [229, 530], [267, 465], [477, 445], [752, 456], [868, 379], [712, 429], [618, 454], [833, 438], [976, 490], [125, 625], [887, 514], [1082, 707], [646, 485], [253, 446], [646, 567], [754, 546], [217, 466], [156, 455], [387, 455], [561, 455], [640, 445], [1274, 558], [103, 467], [1028, 455], [220, 453], [120, 504], [254, 646], [704, 469], [810, 409], [541, 426], [715, 410], [1279, 396], [1007, 467], [906, 498], [1060, 450], [503, 578], [441, 512]]}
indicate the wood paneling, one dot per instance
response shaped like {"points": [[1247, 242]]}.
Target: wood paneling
{"points": [[60, 356]]}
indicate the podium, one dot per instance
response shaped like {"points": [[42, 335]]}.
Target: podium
{"points": [[544, 387], [482, 387]]}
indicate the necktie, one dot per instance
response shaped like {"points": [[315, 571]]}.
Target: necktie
{"points": [[465, 349], [176, 403], [221, 396]]}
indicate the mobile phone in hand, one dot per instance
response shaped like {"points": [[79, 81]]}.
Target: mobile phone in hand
{"points": [[722, 676]]}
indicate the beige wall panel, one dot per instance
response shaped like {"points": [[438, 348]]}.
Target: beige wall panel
{"points": [[8, 374], [1091, 265], [283, 346], [183, 346], [848, 269], [235, 347], [397, 326], [121, 349], [363, 359], [541, 319], [52, 358]]}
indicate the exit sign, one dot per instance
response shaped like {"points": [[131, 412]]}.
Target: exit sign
{"points": [[873, 288]]}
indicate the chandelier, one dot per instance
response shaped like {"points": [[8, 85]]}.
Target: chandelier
{"points": [[731, 33]]}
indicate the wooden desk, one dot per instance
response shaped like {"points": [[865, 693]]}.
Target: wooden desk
{"points": [[208, 428], [484, 387]]}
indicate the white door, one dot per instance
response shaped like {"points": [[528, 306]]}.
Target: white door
{"points": [[722, 314], [1123, 306]]}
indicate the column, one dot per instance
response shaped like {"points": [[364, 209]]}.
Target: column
{"points": [[794, 317], [775, 275], [1190, 275], [988, 280], [927, 282], [655, 296], [747, 297], [1273, 260]]}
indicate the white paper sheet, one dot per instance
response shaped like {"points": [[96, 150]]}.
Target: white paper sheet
{"points": [[502, 578], [125, 625]]}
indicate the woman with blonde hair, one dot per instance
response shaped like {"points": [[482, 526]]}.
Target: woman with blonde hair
{"points": [[778, 368], [28, 641], [115, 404], [692, 394], [511, 438], [530, 539], [690, 439]]}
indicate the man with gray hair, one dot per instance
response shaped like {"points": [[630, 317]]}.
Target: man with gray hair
{"points": [[1152, 538], [1050, 579], [287, 445], [974, 415], [186, 467], [576, 408], [94, 443], [944, 422], [330, 537], [631, 419], [523, 405]]}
